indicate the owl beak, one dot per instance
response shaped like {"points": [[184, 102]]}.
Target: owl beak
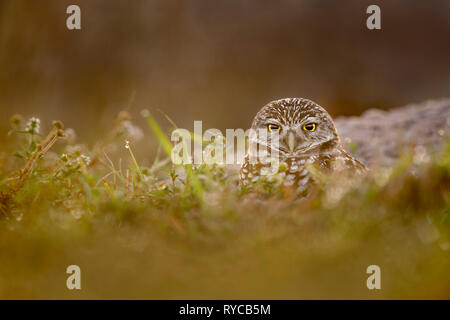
{"points": [[291, 141]]}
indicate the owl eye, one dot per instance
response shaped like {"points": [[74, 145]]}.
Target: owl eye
{"points": [[309, 127], [273, 127]]}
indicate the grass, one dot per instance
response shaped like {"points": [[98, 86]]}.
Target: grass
{"points": [[167, 232]]}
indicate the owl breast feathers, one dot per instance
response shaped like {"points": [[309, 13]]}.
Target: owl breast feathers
{"points": [[302, 139]]}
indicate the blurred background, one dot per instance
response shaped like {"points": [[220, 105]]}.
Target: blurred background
{"points": [[217, 61]]}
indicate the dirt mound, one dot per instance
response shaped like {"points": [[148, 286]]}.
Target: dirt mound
{"points": [[379, 137]]}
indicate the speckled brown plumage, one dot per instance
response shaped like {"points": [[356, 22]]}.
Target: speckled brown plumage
{"points": [[300, 151]]}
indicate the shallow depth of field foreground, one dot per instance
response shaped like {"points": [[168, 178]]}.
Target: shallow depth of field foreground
{"points": [[86, 177], [161, 231]]}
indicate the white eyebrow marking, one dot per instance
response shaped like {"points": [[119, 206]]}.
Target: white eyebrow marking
{"points": [[310, 119]]}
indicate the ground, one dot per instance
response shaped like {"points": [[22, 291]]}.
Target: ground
{"points": [[144, 232]]}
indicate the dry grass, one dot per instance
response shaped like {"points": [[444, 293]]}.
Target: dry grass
{"points": [[164, 232]]}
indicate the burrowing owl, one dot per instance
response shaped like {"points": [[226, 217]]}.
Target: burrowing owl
{"points": [[308, 143]]}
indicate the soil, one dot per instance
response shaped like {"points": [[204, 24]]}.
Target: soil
{"points": [[379, 137]]}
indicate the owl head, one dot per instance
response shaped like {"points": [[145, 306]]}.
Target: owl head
{"points": [[301, 126]]}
